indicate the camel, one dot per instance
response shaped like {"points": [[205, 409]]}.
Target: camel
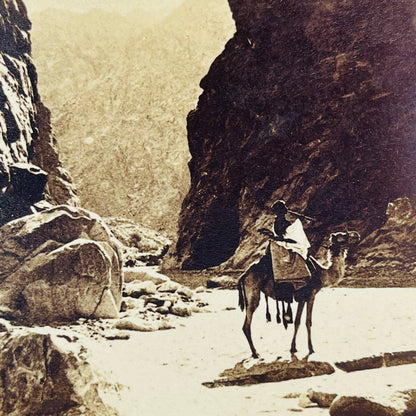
{"points": [[259, 278]]}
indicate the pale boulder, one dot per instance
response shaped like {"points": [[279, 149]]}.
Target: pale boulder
{"points": [[181, 309], [47, 374], [144, 274], [136, 289], [60, 264], [169, 287]]}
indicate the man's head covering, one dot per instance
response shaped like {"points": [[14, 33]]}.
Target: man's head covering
{"points": [[279, 207]]}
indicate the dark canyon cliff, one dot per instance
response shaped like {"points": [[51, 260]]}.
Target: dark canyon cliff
{"points": [[27, 138], [312, 102]]}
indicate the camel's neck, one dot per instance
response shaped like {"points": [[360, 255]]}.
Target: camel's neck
{"points": [[336, 269]]}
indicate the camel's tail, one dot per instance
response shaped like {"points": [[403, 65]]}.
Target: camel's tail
{"points": [[242, 298]]}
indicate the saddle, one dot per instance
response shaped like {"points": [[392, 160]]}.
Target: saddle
{"points": [[288, 266], [292, 277]]}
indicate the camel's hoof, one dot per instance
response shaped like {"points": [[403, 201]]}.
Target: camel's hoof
{"points": [[293, 350], [294, 358], [255, 355], [278, 320], [268, 317], [311, 351]]}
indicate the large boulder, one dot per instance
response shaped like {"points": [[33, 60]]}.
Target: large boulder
{"points": [[48, 374], [59, 264]]}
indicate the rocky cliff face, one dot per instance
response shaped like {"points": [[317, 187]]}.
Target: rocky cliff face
{"points": [[24, 120], [312, 102]]}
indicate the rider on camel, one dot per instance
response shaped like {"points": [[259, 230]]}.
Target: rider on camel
{"points": [[289, 255]]}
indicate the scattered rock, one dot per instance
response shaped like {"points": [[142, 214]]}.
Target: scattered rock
{"points": [[185, 291], [224, 282], [305, 401], [164, 325], [377, 361], [167, 297], [169, 287], [365, 363], [154, 300], [263, 372], [321, 399], [181, 309], [197, 308], [133, 303], [118, 335], [164, 310], [136, 289], [398, 404], [399, 358], [124, 306], [144, 274], [132, 324]]}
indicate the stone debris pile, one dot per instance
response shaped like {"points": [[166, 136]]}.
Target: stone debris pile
{"points": [[153, 302]]}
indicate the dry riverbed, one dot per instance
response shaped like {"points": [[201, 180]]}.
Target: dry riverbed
{"points": [[161, 373]]}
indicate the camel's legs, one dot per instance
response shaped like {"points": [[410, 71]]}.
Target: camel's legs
{"points": [[309, 309], [268, 316], [299, 311], [278, 320], [253, 298]]}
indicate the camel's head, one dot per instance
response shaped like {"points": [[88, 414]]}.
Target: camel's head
{"points": [[342, 240], [340, 243]]}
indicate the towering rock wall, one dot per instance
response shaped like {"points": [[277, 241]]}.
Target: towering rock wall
{"points": [[26, 135], [312, 102]]}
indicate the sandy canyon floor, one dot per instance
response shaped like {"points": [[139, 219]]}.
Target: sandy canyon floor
{"points": [[162, 372]]}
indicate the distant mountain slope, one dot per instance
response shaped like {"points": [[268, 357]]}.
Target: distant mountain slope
{"points": [[119, 6], [119, 93]]}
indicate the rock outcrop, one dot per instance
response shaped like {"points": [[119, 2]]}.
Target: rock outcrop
{"points": [[44, 374], [26, 135], [59, 264], [141, 245], [312, 102], [388, 255]]}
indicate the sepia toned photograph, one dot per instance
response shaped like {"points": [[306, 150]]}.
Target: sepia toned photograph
{"points": [[207, 207]]}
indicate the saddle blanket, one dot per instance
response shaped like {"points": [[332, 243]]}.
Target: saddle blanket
{"points": [[287, 265]]}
